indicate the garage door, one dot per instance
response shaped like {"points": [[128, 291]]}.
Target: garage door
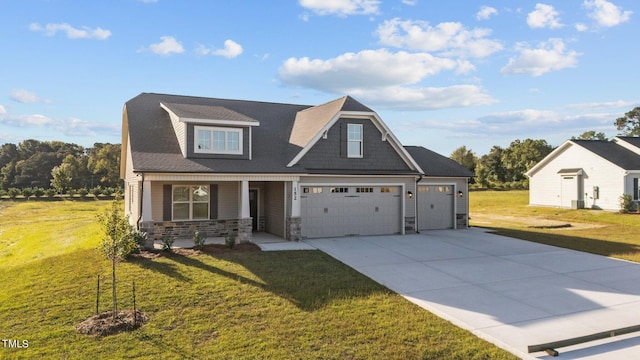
{"points": [[329, 211], [435, 207]]}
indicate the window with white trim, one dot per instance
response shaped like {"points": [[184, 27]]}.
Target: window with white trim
{"points": [[218, 140], [190, 202], [354, 140]]}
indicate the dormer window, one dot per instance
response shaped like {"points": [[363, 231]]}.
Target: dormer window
{"points": [[354, 140], [218, 140]]}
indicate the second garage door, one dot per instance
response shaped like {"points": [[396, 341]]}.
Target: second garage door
{"points": [[435, 207], [328, 211]]}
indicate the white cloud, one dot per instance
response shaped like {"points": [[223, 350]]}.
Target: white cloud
{"points": [[486, 12], [606, 13], [71, 32], [548, 56], [606, 104], [410, 2], [384, 79], [169, 45], [424, 98], [450, 38], [544, 16], [367, 68], [341, 7], [231, 49], [70, 127], [581, 27], [25, 97]]}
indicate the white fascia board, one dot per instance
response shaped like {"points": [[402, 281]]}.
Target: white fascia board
{"points": [[314, 140], [549, 157], [219, 122], [377, 121]]}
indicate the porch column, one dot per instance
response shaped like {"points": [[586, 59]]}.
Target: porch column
{"points": [[146, 201], [295, 199], [244, 223], [244, 200]]}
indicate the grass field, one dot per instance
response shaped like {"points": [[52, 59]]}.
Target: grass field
{"points": [[595, 231], [300, 304]]}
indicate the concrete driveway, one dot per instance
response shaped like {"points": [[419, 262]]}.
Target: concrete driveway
{"points": [[511, 292]]}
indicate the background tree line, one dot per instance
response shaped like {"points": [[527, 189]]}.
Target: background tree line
{"points": [[506, 167], [63, 167]]}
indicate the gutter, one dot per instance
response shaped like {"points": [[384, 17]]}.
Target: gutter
{"points": [[417, 207], [140, 203]]}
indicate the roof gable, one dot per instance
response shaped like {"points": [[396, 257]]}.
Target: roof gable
{"points": [[631, 143], [610, 151]]}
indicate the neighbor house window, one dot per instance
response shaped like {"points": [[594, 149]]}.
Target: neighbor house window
{"points": [[354, 140], [190, 202], [215, 140]]}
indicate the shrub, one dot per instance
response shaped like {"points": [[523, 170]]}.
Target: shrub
{"points": [[626, 204], [83, 192], [3, 193], [50, 192], [27, 192], [167, 242], [72, 192], [230, 241], [96, 191], [198, 239], [13, 193], [38, 192]]}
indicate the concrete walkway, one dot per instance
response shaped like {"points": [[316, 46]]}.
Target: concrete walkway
{"points": [[265, 241], [511, 292]]}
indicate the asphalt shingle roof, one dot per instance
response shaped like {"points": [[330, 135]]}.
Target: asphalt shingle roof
{"points": [[612, 152], [434, 164]]}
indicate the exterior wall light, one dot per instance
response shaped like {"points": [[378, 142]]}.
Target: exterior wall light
{"points": [[460, 194], [409, 195]]}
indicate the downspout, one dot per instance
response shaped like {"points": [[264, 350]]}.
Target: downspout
{"points": [[140, 203], [417, 197]]}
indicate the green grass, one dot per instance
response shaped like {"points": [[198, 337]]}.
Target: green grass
{"points": [[596, 231], [300, 304]]}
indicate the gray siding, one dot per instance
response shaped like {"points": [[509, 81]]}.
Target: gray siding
{"points": [[330, 153]]}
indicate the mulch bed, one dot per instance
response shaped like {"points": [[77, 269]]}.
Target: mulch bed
{"points": [[103, 324], [211, 249]]}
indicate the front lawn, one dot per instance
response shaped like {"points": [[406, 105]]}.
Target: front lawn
{"points": [[596, 231], [299, 304]]}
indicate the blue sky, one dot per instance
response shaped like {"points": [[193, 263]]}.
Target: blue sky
{"points": [[441, 74]]}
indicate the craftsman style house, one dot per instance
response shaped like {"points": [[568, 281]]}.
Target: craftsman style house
{"points": [[587, 173], [295, 171]]}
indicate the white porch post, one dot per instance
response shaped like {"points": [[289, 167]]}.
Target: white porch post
{"points": [[244, 200], [146, 201], [295, 199]]}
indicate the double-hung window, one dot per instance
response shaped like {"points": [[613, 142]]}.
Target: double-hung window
{"points": [[190, 202], [354, 140], [216, 140]]}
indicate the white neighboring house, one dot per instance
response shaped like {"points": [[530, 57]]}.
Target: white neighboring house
{"points": [[587, 174]]}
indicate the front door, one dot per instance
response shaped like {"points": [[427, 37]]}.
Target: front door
{"points": [[253, 208]]}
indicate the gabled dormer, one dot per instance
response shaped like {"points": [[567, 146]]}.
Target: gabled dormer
{"points": [[344, 134], [211, 131]]}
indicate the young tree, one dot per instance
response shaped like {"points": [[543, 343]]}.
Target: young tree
{"points": [[119, 241], [61, 178], [629, 124], [465, 157]]}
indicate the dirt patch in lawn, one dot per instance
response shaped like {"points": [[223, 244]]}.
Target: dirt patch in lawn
{"points": [[104, 324], [532, 222]]}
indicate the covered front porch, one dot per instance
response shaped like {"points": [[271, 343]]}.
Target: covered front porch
{"points": [[219, 206]]}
